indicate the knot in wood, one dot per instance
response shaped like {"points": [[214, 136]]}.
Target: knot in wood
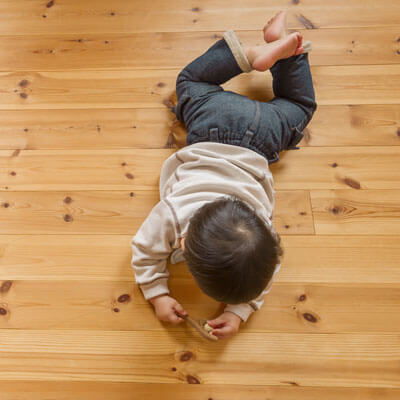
{"points": [[302, 297], [124, 298], [68, 218], [310, 318], [192, 379], [352, 183], [24, 83], [5, 287], [335, 210], [186, 356]]}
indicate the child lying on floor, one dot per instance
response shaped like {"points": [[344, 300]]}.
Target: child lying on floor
{"points": [[217, 193]]}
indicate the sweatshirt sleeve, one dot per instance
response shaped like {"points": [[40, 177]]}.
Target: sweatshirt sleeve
{"points": [[151, 247], [244, 310]]}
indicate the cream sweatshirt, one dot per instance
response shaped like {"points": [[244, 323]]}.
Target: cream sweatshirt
{"points": [[191, 177]]}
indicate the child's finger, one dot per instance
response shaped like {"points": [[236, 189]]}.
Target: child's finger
{"points": [[174, 319], [216, 322], [299, 50], [224, 332], [180, 309]]}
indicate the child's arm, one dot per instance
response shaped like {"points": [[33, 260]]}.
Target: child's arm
{"points": [[244, 310], [151, 247]]}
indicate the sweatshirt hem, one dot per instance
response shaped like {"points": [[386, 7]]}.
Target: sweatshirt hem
{"points": [[158, 286], [241, 310]]}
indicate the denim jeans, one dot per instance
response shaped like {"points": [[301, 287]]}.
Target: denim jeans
{"points": [[212, 114]]}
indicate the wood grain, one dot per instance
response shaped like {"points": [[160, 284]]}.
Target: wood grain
{"points": [[85, 126], [369, 84], [121, 16], [369, 212], [340, 125], [350, 359], [132, 169], [352, 168], [31, 390], [348, 259], [139, 169], [115, 212], [120, 306], [86, 129], [354, 125], [293, 212], [307, 258], [161, 50]]}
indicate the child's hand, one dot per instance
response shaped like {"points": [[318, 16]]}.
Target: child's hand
{"points": [[165, 307], [226, 325]]}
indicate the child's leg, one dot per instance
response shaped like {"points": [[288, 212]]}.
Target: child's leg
{"points": [[294, 91], [293, 106], [202, 77], [284, 118], [210, 113]]}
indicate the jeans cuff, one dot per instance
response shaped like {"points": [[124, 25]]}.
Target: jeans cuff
{"points": [[237, 51], [307, 45]]}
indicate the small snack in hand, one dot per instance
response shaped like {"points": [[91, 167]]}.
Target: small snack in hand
{"points": [[208, 328]]}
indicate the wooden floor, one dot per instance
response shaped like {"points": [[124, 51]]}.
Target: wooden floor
{"points": [[84, 130]]}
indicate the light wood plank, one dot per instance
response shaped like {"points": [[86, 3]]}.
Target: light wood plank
{"points": [[369, 212], [366, 84], [77, 76], [338, 168], [86, 129], [116, 212], [86, 89], [333, 259], [349, 359], [26, 16], [344, 46], [31, 390], [353, 46], [351, 259], [79, 212], [352, 125], [290, 307], [369, 167], [293, 213], [134, 169]]}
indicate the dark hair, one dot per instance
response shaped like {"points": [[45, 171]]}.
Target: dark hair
{"points": [[230, 251]]}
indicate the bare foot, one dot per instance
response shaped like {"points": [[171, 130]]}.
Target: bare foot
{"points": [[275, 28], [264, 57]]}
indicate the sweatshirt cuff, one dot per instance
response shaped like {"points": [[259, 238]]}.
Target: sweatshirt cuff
{"points": [[241, 310], [153, 289]]}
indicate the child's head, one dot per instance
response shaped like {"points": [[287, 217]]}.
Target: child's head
{"points": [[230, 251]]}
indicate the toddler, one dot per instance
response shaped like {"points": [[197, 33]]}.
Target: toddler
{"points": [[217, 193]]}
